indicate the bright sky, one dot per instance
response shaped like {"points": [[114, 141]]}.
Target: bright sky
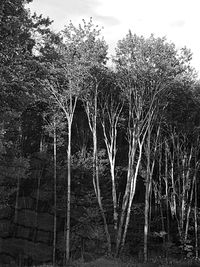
{"points": [[178, 20]]}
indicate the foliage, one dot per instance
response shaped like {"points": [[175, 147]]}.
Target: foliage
{"points": [[16, 53], [59, 82]]}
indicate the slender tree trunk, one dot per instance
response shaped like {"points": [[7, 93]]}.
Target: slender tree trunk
{"points": [[68, 193], [146, 219], [189, 208], [195, 222], [67, 103], [160, 193], [114, 195], [147, 216], [93, 127], [125, 198], [95, 162], [131, 157], [173, 209], [105, 227], [129, 191], [183, 198], [132, 194], [147, 194], [98, 190], [111, 150], [167, 189], [172, 157], [55, 193], [97, 174]]}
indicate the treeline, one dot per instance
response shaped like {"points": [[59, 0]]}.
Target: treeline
{"points": [[99, 130]]}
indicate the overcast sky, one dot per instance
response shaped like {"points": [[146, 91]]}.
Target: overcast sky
{"points": [[178, 20]]}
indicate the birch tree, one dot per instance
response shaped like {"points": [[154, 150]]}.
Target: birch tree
{"points": [[73, 55], [111, 106], [147, 68], [91, 108], [182, 173], [150, 149], [95, 75]]}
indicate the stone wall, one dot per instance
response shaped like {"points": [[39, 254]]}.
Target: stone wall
{"points": [[29, 239]]}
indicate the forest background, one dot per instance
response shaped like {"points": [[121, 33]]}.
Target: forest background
{"points": [[94, 158]]}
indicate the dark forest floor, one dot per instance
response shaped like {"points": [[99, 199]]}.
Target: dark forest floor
{"points": [[106, 262]]}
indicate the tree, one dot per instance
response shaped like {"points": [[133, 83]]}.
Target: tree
{"points": [[55, 189], [17, 71], [150, 149], [75, 56], [91, 101], [52, 127], [146, 69], [111, 106], [17, 53], [183, 168], [177, 158], [96, 59]]}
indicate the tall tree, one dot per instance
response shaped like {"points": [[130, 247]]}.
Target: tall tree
{"points": [[91, 107], [150, 150], [146, 67], [70, 62], [17, 43], [111, 105], [96, 59]]}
